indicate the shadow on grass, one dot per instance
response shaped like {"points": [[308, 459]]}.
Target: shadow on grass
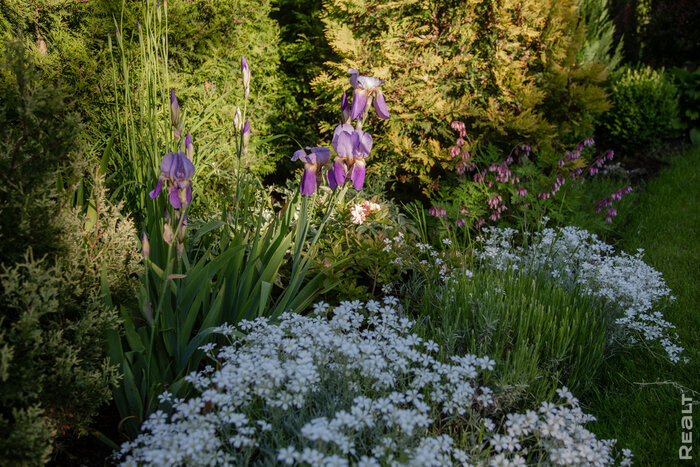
{"points": [[638, 397]]}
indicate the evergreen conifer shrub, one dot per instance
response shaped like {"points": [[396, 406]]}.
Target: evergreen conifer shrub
{"points": [[54, 374], [507, 69]]}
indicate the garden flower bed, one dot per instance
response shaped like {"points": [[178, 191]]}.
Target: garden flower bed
{"points": [[281, 232]]}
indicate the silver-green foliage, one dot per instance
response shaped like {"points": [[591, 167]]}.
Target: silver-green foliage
{"points": [[541, 335], [54, 371]]}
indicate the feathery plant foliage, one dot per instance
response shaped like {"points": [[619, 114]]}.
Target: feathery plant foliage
{"points": [[599, 45], [38, 131], [508, 69]]}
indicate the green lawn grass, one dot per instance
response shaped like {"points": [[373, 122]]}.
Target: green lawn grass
{"points": [[638, 396]]}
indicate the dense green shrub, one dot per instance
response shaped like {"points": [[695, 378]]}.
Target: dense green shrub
{"points": [[303, 51], [645, 110], [509, 70], [53, 369]]}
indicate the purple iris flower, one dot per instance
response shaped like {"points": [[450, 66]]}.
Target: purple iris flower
{"points": [[366, 87], [342, 142], [352, 146], [178, 170], [317, 158]]}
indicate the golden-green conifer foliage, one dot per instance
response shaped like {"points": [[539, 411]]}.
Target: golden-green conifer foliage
{"points": [[507, 68]]}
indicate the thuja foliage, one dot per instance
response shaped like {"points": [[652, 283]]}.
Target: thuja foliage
{"points": [[53, 369], [600, 44], [302, 41], [37, 131], [510, 70]]}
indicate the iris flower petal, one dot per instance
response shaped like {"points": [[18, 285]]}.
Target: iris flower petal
{"points": [[318, 155], [358, 174], [330, 178], [359, 102], [380, 105], [365, 144], [353, 77], [299, 155], [174, 197], [344, 144], [156, 191], [308, 182], [339, 172]]}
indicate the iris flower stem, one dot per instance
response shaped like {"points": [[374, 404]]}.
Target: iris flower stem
{"points": [[164, 286]]}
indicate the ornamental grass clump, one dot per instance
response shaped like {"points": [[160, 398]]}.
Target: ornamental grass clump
{"points": [[357, 387], [577, 259]]}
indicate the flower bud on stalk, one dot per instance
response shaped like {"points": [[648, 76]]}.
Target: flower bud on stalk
{"points": [[180, 249], [168, 234], [145, 246], [345, 109], [174, 109], [189, 148], [237, 120], [181, 233], [245, 72], [246, 137]]}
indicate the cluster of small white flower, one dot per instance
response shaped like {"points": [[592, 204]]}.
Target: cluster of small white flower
{"points": [[436, 262], [396, 242], [354, 389], [576, 257]]}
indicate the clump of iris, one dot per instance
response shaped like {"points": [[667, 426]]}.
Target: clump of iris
{"points": [[351, 145]]}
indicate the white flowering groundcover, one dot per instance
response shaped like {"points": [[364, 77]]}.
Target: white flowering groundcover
{"points": [[577, 258], [356, 389]]}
